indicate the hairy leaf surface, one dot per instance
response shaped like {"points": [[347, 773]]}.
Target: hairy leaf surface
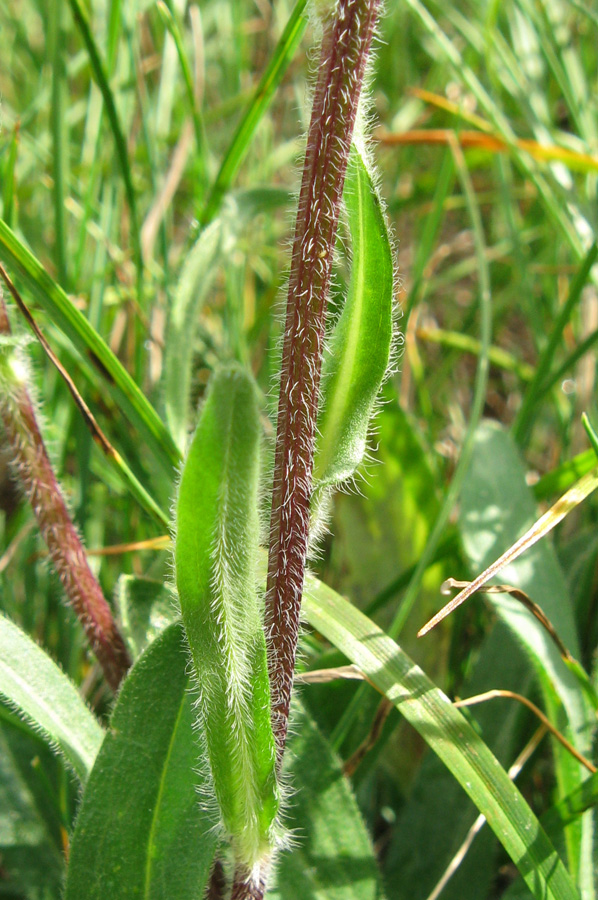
{"points": [[35, 686], [360, 344], [216, 556]]}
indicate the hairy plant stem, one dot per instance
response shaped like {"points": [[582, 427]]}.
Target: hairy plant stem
{"points": [[346, 43], [36, 475], [249, 887]]}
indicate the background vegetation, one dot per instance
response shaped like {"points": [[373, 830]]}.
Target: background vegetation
{"points": [[487, 125]]}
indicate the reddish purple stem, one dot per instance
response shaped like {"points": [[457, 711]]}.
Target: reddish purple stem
{"points": [[36, 475], [345, 47]]}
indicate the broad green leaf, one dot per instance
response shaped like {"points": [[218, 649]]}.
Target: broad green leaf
{"points": [[193, 285], [360, 344], [34, 685], [216, 554], [141, 831], [145, 608], [333, 858], [66, 316], [447, 732], [496, 509]]}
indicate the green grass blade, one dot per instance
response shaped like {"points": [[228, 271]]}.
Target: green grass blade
{"points": [[542, 381], [216, 554], [60, 137], [198, 125], [39, 691], [88, 342], [355, 367], [447, 732], [496, 508], [9, 180], [194, 282], [283, 54], [101, 79], [563, 477], [141, 830]]}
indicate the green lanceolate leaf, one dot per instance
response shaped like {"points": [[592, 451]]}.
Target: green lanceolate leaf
{"points": [[447, 732], [34, 685], [141, 831], [216, 555], [194, 282], [360, 343]]}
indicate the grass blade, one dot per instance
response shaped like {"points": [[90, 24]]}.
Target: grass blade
{"points": [[283, 54], [47, 699], [444, 729], [88, 342], [101, 79]]}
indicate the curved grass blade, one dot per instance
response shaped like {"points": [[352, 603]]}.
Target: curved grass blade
{"points": [[127, 475], [40, 692], [216, 555], [173, 29], [542, 379], [140, 804], [360, 345], [444, 729], [496, 506], [88, 342], [100, 78], [193, 285], [283, 54]]}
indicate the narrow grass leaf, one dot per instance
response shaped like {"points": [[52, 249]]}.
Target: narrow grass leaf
{"points": [[496, 506], [141, 831], [9, 180], [90, 344], [122, 156], [200, 136], [360, 345], [216, 555], [447, 732], [269, 82], [40, 692], [193, 284]]}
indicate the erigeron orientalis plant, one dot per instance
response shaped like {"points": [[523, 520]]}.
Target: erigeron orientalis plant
{"points": [[228, 670]]}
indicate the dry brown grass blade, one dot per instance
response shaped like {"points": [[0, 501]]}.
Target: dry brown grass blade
{"points": [[511, 695], [525, 600], [572, 498], [492, 143]]}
